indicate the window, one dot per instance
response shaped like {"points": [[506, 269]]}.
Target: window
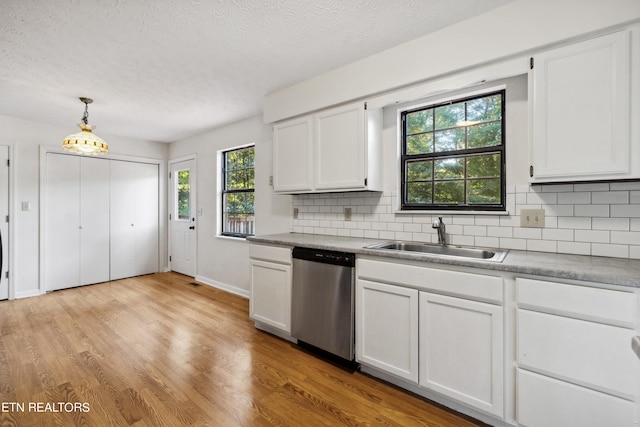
{"points": [[183, 193], [453, 155], [238, 182]]}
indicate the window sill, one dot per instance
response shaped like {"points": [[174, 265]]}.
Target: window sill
{"points": [[234, 238]]}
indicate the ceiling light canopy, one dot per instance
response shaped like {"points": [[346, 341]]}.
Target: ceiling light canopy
{"points": [[85, 141]]}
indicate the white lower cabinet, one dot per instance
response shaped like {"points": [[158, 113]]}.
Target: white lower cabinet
{"points": [[575, 363], [270, 299], [387, 328], [545, 401], [461, 350], [445, 343]]}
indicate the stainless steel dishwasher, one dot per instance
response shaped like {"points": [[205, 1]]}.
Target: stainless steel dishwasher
{"points": [[323, 300]]}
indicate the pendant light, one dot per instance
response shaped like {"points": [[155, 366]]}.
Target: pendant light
{"points": [[85, 141]]}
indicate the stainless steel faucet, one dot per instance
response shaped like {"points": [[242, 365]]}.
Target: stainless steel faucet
{"points": [[439, 225]]}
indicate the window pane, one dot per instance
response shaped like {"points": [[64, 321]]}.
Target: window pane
{"points": [[449, 168], [420, 121], [419, 192], [483, 191], [449, 192], [485, 109], [448, 115], [485, 135], [238, 213], [421, 143], [419, 171], [484, 166], [449, 140], [184, 194]]}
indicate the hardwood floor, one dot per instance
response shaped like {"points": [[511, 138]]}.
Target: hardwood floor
{"points": [[158, 351]]}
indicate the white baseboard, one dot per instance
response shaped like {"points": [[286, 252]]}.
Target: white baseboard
{"points": [[28, 294], [225, 287]]}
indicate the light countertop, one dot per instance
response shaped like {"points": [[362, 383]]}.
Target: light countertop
{"points": [[615, 271]]}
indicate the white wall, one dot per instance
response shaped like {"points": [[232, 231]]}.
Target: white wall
{"points": [[222, 261], [516, 28], [24, 139]]}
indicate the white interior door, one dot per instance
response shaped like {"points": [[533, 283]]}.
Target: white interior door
{"points": [[182, 218], [134, 219], [4, 226], [94, 220], [146, 218], [62, 222], [123, 196]]}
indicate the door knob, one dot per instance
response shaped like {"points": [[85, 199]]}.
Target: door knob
{"points": [[193, 227]]}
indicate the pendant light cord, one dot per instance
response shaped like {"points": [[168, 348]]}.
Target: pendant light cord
{"points": [[85, 117]]}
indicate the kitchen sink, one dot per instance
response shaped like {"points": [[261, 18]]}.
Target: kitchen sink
{"points": [[484, 254]]}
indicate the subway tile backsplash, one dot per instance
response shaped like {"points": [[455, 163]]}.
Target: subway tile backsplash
{"points": [[600, 219]]}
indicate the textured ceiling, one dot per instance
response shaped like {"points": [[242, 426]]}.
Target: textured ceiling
{"points": [[163, 70]]}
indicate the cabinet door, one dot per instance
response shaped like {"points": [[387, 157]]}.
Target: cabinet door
{"points": [[340, 147], [587, 353], [94, 220], [461, 350], [270, 301], [387, 328], [546, 402], [62, 222], [292, 155], [581, 111]]}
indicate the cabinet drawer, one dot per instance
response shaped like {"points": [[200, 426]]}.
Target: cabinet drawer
{"points": [[475, 286], [586, 353], [546, 402], [605, 305], [270, 253]]}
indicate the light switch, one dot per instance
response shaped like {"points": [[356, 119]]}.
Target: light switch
{"points": [[532, 218], [26, 206]]}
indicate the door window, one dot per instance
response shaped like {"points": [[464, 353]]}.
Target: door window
{"points": [[183, 195]]}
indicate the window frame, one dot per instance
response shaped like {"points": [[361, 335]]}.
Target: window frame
{"points": [[465, 153], [224, 191]]}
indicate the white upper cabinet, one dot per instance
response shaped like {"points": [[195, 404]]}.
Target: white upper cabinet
{"points": [[292, 155], [337, 149], [582, 98]]}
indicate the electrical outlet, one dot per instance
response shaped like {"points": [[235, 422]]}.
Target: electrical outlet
{"points": [[347, 214], [295, 213], [532, 218], [271, 180]]}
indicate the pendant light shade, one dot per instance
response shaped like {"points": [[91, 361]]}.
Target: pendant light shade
{"points": [[85, 141]]}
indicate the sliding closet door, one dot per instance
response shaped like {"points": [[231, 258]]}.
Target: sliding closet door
{"points": [[123, 195], [146, 218], [76, 226], [62, 222], [134, 219], [94, 220]]}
